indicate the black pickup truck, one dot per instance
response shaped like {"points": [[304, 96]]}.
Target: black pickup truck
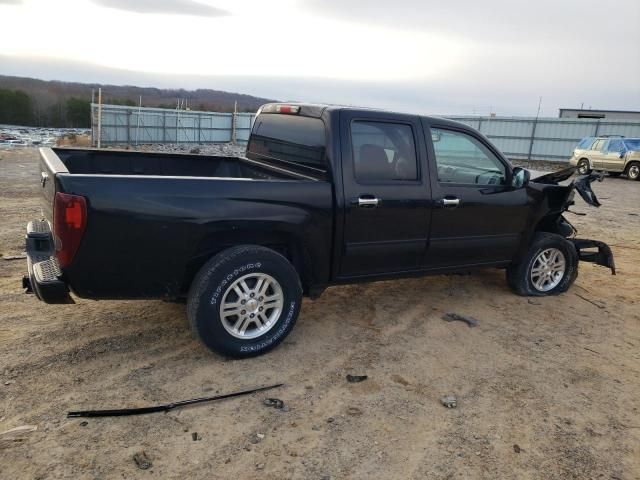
{"points": [[325, 195]]}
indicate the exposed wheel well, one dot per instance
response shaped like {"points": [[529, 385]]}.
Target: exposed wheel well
{"points": [[285, 245]]}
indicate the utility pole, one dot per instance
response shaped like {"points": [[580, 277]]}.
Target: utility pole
{"points": [[533, 130], [99, 117], [138, 125], [233, 122]]}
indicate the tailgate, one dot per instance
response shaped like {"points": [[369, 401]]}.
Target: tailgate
{"points": [[50, 165]]}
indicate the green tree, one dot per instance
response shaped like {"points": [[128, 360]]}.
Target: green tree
{"points": [[56, 116], [78, 112], [122, 101], [15, 107]]}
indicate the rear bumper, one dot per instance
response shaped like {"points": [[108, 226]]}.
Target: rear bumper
{"points": [[44, 277], [586, 252]]}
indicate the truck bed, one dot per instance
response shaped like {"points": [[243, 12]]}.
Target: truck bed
{"points": [[123, 162], [159, 216]]}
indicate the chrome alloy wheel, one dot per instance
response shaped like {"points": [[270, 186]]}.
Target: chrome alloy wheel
{"points": [[634, 172], [251, 306], [548, 269]]}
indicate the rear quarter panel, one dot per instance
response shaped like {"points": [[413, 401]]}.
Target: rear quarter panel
{"points": [[146, 237]]}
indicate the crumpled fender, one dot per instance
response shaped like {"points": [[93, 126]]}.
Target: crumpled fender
{"points": [[582, 184], [588, 250]]}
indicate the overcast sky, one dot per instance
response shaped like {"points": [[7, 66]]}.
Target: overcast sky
{"points": [[432, 57]]}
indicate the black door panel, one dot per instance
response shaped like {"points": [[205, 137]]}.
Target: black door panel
{"points": [[388, 204], [477, 218]]}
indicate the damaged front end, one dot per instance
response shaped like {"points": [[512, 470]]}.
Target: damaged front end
{"points": [[559, 201]]}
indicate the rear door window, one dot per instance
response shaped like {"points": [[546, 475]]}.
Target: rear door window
{"points": [[289, 141], [598, 145], [615, 146], [383, 151]]}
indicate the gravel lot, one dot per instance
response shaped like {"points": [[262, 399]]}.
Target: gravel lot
{"points": [[546, 388]]}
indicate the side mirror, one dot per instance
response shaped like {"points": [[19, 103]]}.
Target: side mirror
{"points": [[520, 177]]}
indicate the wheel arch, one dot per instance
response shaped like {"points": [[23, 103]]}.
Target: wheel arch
{"points": [[287, 243], [588, 160], [628, 164]]}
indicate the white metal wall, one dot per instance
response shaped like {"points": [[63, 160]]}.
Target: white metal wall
{"points": [[133, 126], [544, 138], [516, 137]]}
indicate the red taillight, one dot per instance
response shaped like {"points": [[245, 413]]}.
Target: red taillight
{"points": [[276, 108], [69, 223], [286, 109]]}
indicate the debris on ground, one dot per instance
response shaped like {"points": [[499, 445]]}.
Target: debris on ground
{"points": [[354, 411], [256, 438], [260, 466], [516, 448], [533, 302], [455, 317], [142, 461], [449, 401], [356, 378], [22, 256], [120, 412], [84, 423], [17, 434], [273, 402], [400, 379], [598, 304], [195, 436]]}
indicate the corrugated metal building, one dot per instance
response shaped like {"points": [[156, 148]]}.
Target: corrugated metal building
{"points": [[517, 137], [599, 114]]}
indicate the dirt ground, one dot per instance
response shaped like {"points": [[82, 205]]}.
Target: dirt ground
{"points": [[546, 388]]}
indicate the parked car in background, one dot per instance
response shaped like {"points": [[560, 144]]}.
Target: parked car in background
{"points": [[616, 155]]}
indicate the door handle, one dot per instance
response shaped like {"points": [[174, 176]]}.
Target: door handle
{"points": [[368, 202], [450, 202]]}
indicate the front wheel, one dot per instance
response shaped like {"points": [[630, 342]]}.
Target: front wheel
{"points": [[244, 301], [633, 171], [549, 267], [583, 167]]}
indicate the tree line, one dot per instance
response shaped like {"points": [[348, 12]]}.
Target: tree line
{"points": [[19, 108]]}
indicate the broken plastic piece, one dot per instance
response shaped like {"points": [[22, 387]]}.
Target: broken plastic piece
{"points": [[453, 317], [120, 412], [603, 256], [274, 402], [356, 378], [449, 401], [583, 185]]}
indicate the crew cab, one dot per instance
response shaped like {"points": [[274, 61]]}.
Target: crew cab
{"points": [[325, 195]]}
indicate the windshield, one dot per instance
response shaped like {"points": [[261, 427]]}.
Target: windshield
{"points": [[632, 143]]}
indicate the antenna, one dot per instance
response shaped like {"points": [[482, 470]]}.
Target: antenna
{"points": [[539, 105]]}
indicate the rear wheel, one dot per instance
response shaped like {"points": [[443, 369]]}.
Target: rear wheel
{"points": [[548, 268], [583, 166], [244, 301], [633, 171]]}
